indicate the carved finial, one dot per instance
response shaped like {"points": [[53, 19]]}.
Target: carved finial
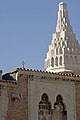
{"points": [[23, 65]]}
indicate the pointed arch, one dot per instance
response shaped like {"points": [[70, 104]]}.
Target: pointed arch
{"points": [[44, 107], [60, 50], [60, 60], [71, 59], [76, 60], [52, 62], [56, 61], [59, 109], [56, 51], [59, 98], [44, 97]]}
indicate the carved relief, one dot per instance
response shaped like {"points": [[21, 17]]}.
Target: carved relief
{"points": [[44, 111], [16, 95], [59, 111]]}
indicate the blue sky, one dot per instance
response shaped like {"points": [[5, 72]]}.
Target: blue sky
{"points": [[26, 27]]}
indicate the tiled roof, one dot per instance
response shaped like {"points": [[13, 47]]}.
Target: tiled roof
{"points": [[8, 81], [7, 76], [70, 74]]}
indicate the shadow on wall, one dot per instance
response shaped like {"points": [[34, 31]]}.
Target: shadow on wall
{"points": [[45, 111]]}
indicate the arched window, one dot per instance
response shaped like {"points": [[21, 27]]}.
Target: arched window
{"points": [[56, 51], [60, 60], [59, 109], [56, 61], [55, 44], [59, 98], [44, 97], [44, 108], [60, 50], [76, 61], [52, 62], [71, 60]]}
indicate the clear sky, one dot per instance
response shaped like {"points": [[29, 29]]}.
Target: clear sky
{"points": [[26, 27]]}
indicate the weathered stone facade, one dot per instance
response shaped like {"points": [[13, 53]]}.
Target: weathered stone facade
{"points": [[40, 95], [43, 95]]}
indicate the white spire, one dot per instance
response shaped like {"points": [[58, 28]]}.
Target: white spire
{"points": [[64, 51]]}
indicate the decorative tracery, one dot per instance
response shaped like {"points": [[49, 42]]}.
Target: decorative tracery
{"points": [[59, 111], [44, 111]]}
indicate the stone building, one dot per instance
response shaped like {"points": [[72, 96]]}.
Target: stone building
{"points": [[54, 94], [64, 51]]}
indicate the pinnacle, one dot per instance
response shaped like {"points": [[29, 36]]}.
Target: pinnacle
{"points": [[62, 6], [61, 3], [64, 51], [63, 19]]}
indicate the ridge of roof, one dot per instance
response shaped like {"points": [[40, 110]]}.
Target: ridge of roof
{"points": [[70, 74]]}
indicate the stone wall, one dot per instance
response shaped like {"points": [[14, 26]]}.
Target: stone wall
{"points": [[17, 99], [3, 102], [20, 100], [52, 87], [77, 87]]}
